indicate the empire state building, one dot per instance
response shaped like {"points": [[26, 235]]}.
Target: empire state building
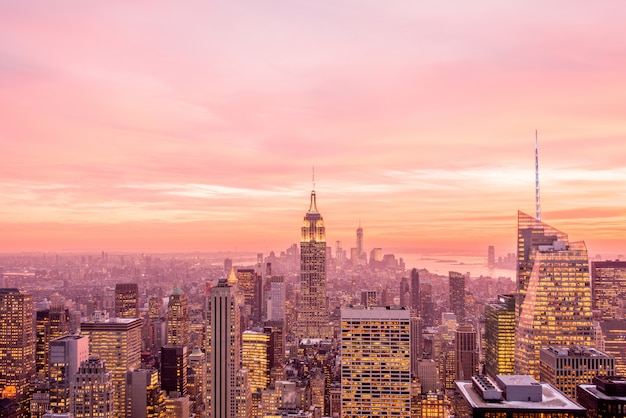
{"points": [[313, 309]]}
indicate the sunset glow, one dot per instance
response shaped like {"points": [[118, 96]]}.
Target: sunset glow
{"points": [[163, 126]]}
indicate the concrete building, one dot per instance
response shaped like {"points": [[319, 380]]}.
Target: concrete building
{"points": [[375, 362], [66, 355], [605, 397], [145, 397], [567, 367], [512, 396], [92, 390]]}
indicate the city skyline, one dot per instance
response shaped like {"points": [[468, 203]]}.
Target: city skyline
{"points": [[172, 128]]}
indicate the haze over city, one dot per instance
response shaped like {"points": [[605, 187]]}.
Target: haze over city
{"points": [[166, 127]]}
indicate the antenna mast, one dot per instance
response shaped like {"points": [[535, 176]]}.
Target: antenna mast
{"points": [[313, 178], [537, 202]]}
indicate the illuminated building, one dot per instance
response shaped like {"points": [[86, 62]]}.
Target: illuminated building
{"points": [[92, 390], [145, 397], [118, 342], [250, 284], [49, 324], [196, 381], [178, 318], [531, 233], [431, 405], [512, 396], [466, 352], [66, 355], [375, 362], [174, 369], [614, 337], [457, 295], [312, 310], [556, 307], [177, 406], [255, 358], [222, 347], [608, 284], [605, 397], [567, 367], [500, 336], [415, 293], [126, 300], [17, 345]]}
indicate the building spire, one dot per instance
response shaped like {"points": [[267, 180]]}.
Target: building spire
{"points": [[537, 201], [313, 207]]}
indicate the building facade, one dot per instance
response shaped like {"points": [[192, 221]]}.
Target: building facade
{"points": [[500, 336], [313, 310], [375, 362]]}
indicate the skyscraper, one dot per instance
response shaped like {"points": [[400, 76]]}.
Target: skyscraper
{"points": [[178, 318], [126, 300], [375, 362], [531, 233], [416, 305], [145, 396], [174, 369], [313, 310], [457, 295], [466, 352], [17, 345], [405, 292], [250, 285], [275, 298], [609, 288], [222, 348], [66, 355], [49, 324], [500, 336], [255, 358], [556, 301], [92, 390], [118, 342]]}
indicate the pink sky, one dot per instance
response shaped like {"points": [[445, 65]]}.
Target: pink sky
{"points": [[152, 125]]}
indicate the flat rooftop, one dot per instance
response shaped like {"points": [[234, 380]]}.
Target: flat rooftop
{"points": [[552, 399]]}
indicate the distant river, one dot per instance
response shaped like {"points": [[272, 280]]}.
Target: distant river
{"points": [[443, 264]]}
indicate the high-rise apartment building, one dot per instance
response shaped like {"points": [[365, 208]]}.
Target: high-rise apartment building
{"points": [[556, 307], [66, 355], [17, 345], [222, 348], [567, 367], [457, 295], [178, 318], [312, 310], [466, 352], [500, 336], [608, 285], [375, 362], [117, 341], [126, 300], [92, 390], [614, 342]]}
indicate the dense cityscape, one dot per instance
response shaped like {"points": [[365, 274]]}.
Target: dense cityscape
{"points": [[312, 209], [314, 332]]}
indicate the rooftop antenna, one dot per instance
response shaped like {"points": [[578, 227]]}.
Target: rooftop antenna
{"points": [[537, 202], [313, 178]]}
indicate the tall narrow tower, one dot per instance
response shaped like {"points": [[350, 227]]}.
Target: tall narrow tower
{"points": [[312, 311], [359, 240], [223, 347]]}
